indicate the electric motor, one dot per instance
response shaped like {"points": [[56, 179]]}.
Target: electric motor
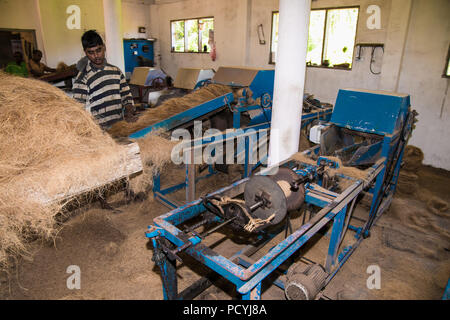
{"points": [[304, 281]]}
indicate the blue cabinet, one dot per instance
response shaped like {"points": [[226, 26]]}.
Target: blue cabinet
{"points": [[134, 48]]}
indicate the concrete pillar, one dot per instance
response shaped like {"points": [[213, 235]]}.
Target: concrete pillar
{"points": [[112, 10], [289, 79]]}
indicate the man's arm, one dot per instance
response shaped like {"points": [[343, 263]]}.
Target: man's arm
{"points": [[80, 89], [48, 69], [127, 99]]}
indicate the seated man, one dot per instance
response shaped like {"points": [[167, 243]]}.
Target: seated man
{"points": [[36, 67], [100, 86], [18, 67]]}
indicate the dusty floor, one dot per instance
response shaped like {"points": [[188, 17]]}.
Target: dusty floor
{"points": [[409, 243]]}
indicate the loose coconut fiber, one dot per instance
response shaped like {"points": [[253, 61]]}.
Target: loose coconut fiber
{"points": [[169, 108], [155, 154], [412, 158], [49, 147], [408, 178], [407, 183]]}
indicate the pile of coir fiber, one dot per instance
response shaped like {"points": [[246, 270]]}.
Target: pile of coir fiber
{"points": [[169, 108], [50, 146], [408, 178]]}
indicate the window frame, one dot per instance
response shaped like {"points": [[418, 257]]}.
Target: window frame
{"points": [[324, 36], [199, 38]]}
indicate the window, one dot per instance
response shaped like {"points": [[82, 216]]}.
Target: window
{"points": [[274, 39], [331, 37], [191, 35], [447, 66]]}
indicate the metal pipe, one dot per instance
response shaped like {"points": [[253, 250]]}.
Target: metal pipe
{"points": [[207, 233], [289, 79]]}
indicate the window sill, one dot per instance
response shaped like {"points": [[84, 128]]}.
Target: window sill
{"points": [[324, 67], [334, 68], [189, 52]]}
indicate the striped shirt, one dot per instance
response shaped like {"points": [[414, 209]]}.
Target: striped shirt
{"points": [[103, 91]]}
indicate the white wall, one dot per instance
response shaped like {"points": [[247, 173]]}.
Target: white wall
{"points": [[238, 42], [422, 67], [22, 14], [229, 33], [61, 43], [48, 19], [135, 15]]}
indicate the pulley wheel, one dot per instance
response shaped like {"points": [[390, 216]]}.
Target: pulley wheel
{"points": [[284, 177], [264, 186]]}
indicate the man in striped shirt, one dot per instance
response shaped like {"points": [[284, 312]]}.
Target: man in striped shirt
{"points": [[102, 87]]}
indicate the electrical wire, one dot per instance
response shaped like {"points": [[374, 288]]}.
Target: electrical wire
{"points": [[372, 60]]}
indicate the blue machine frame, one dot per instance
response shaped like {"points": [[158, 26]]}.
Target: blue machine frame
{"points": [[246, 274]]}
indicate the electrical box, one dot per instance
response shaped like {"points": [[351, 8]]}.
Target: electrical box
{"points": [[137, 53]]}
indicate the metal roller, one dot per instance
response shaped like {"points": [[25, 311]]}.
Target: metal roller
{"points": [[265, 197], [285, 177]]}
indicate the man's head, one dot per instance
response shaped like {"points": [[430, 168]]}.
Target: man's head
{"points": [[37, 55], [93, 47], [18, 57]]}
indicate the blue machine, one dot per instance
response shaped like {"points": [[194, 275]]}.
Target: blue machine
{"points": [[134, 48], [257, 206], [255, 99]]}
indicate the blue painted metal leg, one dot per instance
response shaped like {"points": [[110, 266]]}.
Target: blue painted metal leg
{"points": [[375, 201], [157, 183], [396, 172], [168, 271], [377, 191], [254, 294], [336, 233], [247, 168], [190, 180], [236, 120], [446, 295]]}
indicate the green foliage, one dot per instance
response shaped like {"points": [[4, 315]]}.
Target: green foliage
{"points": [[178, 36], [192, 35]]}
